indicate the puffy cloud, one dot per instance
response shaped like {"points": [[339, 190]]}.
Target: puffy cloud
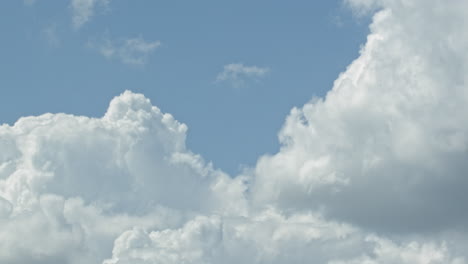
{"points": [[80, 182], [268, 237], [83, 10], [134, 51], [124, 189], [386, 149], [237, 73]]}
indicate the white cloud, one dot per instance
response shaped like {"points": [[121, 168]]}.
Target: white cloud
{"points": [[133, 51], [271, 238], [237, 73], [372, 174], [83, 181], [124, 189], [386, 149], [83, 10], [265, 238]]}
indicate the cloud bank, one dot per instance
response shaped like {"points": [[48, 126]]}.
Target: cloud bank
{"points": [[374, 173]]}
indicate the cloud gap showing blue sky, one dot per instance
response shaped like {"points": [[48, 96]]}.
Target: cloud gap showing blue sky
{"points": [[301, 45]]}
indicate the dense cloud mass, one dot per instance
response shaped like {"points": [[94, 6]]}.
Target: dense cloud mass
{"points": [[70, 185], [374, 173], [387, 148]]}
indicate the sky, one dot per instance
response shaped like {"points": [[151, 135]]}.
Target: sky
{"points": [[57, 63], [236, 133]]}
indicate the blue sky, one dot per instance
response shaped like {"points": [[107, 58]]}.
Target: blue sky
{"points": [[52, 64]]}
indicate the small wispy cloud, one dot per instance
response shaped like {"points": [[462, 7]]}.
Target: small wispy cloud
{"points": [[362, 7], [238, 74], [135, 51], [83, 10], [50, 35]]}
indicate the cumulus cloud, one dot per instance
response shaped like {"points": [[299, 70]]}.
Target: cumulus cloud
{"points": [[270, 237], [81, 182], [386, 148], [133, 51], [374, 173], [237, 73], [83, 10], [125, 189]]}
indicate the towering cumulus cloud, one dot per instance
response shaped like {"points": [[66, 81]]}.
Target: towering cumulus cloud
{"points": [[374, 173], [387, 148]]}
